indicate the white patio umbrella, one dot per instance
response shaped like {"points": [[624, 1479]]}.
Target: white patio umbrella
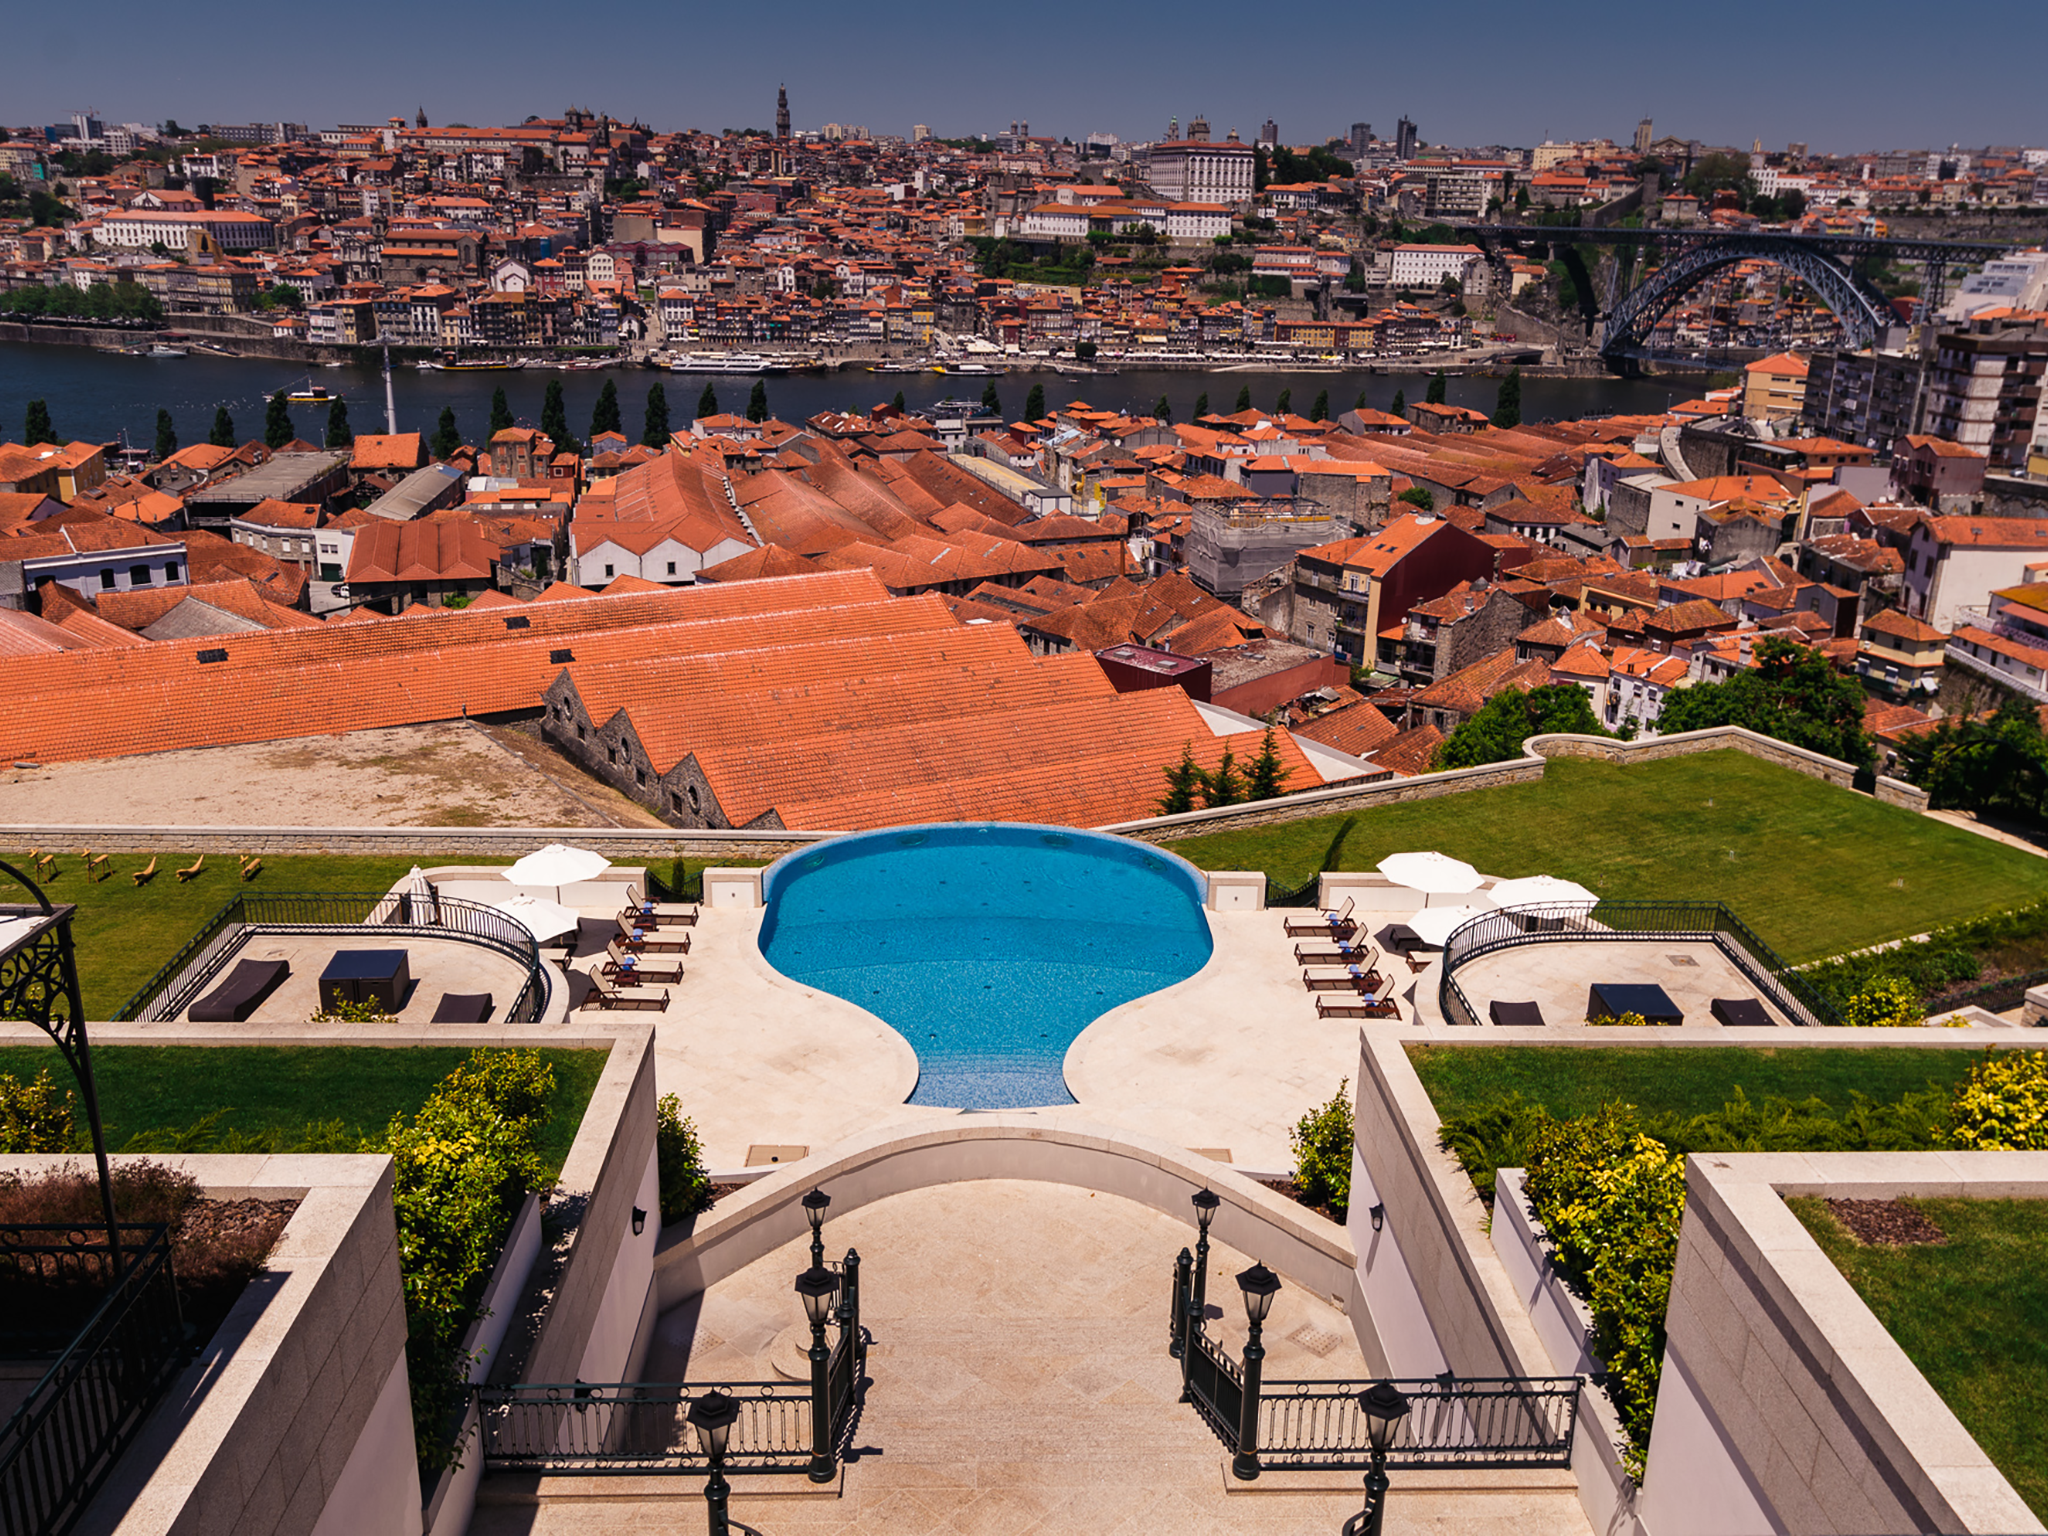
{"points": [[1543, 891], [540, 917], [1435, 925], [1433, 874], [421, 904], [558, 865]]}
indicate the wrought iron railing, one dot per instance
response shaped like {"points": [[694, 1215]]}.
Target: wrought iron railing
{"points": [[62, 1442], [1704, 922], [1502, 1422], [171, 990], [640, 1426], [53, 1275]]}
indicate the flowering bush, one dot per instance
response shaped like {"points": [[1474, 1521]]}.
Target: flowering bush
{"points": [[1321, 1140], [2004, 1105], [34, 1116], [1888, 1002]]}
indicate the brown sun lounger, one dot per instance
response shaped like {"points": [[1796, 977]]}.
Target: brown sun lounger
{"points": [[604, 995], [1341, 978], [634, 970], [1363, 1007], [1514, 1015], [236, 998], [1339, 924], [657, 914], [651, 941], [1364, 953], [462, 1008]]}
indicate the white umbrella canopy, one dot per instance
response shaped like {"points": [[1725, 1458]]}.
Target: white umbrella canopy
{"points": [[540, 917], [558, 865], [1435, 925], [420, 901], [1432, 873], [1542, 891]]}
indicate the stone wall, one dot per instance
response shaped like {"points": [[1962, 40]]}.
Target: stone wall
{"points": [[638, 844], [1336, 801]]}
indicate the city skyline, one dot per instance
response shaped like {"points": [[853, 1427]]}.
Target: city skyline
{"points": [[1819, 75]]}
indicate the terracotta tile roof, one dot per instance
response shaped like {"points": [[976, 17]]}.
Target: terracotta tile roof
{"points": [[1357, 728], [378, 450], [424, 552], [1411, 752]]}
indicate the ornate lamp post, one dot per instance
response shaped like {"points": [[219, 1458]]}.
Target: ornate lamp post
{"points": [[815, 1204], [1259, 1285], [713, 1416], [817, 1286], [39, 984], [1384, 1409], [1205, 1203]]}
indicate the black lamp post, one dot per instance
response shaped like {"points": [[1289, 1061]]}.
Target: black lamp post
{"points": [[1259, 1285], [1205, 1202], [815, 1204], [817, 1286], [1384, 1408], [39, 984], [713, 1416]]}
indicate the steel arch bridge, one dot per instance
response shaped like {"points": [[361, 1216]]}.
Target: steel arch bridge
{"points": [[1860, 312]]}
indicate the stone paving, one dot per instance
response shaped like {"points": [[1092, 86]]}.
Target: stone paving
{"points": [[436, 966], [1020, 1383]]}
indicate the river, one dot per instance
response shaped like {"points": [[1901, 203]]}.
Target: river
{"points": [[97, 395]]}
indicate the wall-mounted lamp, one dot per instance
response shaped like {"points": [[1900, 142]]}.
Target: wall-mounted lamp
{"points": [[639, 1221], [1379, 1217]]}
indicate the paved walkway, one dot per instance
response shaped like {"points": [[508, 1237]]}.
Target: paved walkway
{"points": [[1020, 1383]]}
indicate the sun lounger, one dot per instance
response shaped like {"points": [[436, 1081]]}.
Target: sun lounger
{"points": [[657, 914], [634, 970], [1741, 1013], [1362, 1007], [651, 941], [236, 998], [1514, 1015], [1341, 978], [1339, 924], [1363, 953], [604, 995], [462, 1008]]}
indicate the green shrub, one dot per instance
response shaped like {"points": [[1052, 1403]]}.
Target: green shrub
{"points": [[1888, 1002], [34, 1116], [1321, 1140], [2004, 1105], [342, 1011], [679, 1160]]}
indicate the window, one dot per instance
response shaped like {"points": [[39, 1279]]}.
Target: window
{"points": [[171, 571], [106, 581], [608, 570], [138, 576], [671, 567]]}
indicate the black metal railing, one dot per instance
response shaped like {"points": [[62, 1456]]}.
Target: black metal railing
{"points": [[62, 1442], [1704, 922], [171, 990], [640, 1426], [1498, 1422]]}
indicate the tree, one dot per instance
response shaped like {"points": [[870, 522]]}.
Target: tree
{"points": [[38, 428], [757, 402], [446, 438], [707, 403], [1162, 411], [554, 415], [1434, 395], [1418, 498], [1201, 406], [1997, 764], [166, 435], [1792, 694], [1226, 785], [605, 416], [991, 402], [1244, 398], [277, 422], [1285, 403], [338, 433], [1267, 777], [1507, 405], [223, 433], [1400, 404], [1184, 781], [1359, 403], [501, 411], [898, 405], [654, 429], [1034, 403], [1510, 717], [1320, 411]]}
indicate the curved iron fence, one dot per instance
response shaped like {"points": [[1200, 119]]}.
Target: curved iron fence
{"points": [[1451, 1421], [171, 990], [1703, 922]]}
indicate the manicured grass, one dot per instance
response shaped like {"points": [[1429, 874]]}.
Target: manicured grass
{"points": [[1972, 1314], [124, 932], [1572, 1080], [1813, 869], [151, 1088]]}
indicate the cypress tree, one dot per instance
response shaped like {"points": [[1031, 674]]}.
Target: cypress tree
{"points": [[654, 433], [1183, 782], [501, 411], [991, 402], [707, 403], [554, 415], [339, 434], [1359, 403], [446, 438], [1434, 395], [605, 418], [1285, 403], [1244, 398], [166, 436], [1226, 785], [1162, 411], [1201, 406], [1267, 777], [1400, 405], [901, 408], [757, 402], [1507, 406], [1034, 403], [38, 428], [1320, 411], [223, 433], [277, 422]]}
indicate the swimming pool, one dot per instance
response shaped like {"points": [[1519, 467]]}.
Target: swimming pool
{"points": [[989, 946]]}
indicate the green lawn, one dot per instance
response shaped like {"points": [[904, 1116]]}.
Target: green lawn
{"points": [[1972, 1314], [159, 1088], [1573, 1080], [124, 932], [1813, 869]]}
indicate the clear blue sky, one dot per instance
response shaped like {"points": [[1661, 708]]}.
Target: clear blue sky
{"points": [[1881, 74]]}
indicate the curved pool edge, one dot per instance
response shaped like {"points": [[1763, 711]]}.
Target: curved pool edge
{"points": [[1074, 1060]]}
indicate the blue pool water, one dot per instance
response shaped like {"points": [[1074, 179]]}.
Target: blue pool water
{"points": [[990, 946]]}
